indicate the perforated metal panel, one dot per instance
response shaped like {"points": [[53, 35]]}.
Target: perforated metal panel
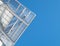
{"points": [[14, 19]]}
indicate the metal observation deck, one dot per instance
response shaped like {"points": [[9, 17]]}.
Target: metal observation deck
{"points": [[14, 19]]}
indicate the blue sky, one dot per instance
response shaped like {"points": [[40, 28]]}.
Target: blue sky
{"points": [[45, 29]]}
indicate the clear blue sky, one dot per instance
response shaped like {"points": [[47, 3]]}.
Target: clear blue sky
{"points": [[45, 29]]}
